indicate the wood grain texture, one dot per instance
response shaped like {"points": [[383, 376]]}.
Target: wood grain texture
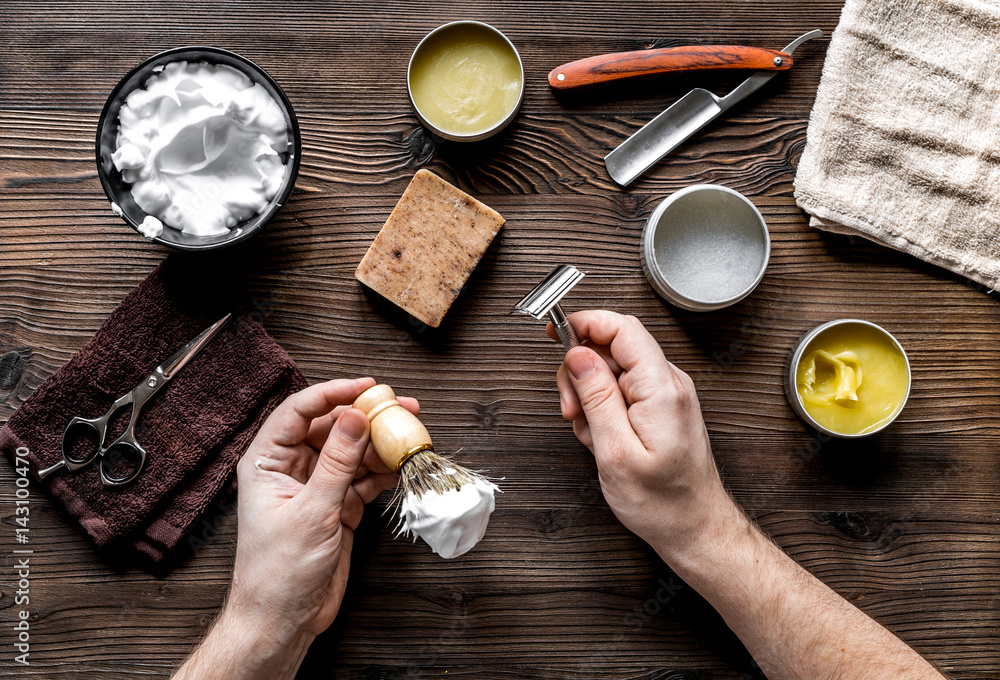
{"points": [[903, 524]]}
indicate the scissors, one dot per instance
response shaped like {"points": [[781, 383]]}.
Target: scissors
{"points": [[126, 447]]}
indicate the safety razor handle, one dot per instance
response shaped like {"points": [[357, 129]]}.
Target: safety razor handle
{"points": [[563, 328]]}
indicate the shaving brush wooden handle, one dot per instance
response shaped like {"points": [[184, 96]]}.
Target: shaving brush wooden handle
{"points": [[396, 433]]}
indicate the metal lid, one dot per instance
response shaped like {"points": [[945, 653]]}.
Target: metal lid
{"points": [[705, 247]]}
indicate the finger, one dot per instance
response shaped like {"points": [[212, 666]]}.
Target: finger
{"points": [[362, 492], [601, 399], [319, 431], [569, 403], [373, 462], [603, 350], [354, 510], [582, 431], [630, 343], [649, 383], [605, 353], [321, 426], [598, 326], [290, 422], [410, 404], [339, 459], [370, 486], [370, 462]]}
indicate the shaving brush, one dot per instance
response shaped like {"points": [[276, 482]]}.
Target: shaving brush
{"points": [[445, 504], [403, 443]]}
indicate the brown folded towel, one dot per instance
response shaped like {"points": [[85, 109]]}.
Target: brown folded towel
{"points": [[902, 145], [194, 430]]}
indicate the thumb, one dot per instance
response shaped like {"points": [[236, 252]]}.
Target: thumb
{"points": [[340, 458], [601, 399]]}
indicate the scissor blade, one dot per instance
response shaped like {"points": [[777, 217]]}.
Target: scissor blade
{"points": [[181, 357]]}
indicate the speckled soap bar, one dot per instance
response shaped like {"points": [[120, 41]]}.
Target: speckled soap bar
{"points": [[430, 244]]}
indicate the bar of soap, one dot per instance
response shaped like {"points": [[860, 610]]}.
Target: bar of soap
{"points": [[429, 246]]}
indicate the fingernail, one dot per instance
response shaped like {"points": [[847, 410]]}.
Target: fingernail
{"points": [[352, 426], [580, 364]]}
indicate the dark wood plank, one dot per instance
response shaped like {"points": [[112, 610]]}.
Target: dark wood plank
{"points": [[361, 49], [904, 524], [540, 154]]}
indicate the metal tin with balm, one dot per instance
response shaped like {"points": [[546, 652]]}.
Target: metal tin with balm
{"points": [[848, 378], [705, 247], [466, 81]]}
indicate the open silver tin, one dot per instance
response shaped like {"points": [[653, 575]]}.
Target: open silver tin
{"points": [[474, 137], [791, 378], [682, 226]]}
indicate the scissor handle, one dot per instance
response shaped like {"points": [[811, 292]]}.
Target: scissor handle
{"points": [[99, 428], [123, 448], [126, 446], [96, 426]]}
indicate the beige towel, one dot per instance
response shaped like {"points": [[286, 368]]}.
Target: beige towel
{"points": [[903, 145]]}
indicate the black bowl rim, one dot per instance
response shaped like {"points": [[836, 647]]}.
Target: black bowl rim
{"points": [[277, 202]]}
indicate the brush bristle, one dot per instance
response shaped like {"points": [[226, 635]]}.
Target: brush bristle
{"points": [[428, 471]]}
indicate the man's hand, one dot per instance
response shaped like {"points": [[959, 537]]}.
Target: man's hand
{"points": [[303, 485], [639, 415]]}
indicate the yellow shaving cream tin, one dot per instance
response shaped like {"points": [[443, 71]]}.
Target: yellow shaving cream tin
{"points": [[466, 81], [848, 378]]}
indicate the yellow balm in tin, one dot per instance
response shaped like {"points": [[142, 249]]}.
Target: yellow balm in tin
{"points": [[466, 80], [852, 378]]}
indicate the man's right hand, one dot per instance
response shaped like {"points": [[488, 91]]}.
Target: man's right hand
{"points": [[639, 415]]}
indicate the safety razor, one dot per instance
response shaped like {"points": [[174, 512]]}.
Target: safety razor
{"points": [[544, 301]]}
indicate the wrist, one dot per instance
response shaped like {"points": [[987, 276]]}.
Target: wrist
{"points": [[266, 644], [241, 646], [709, 546]]}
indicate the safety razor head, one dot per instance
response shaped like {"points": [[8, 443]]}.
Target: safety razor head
{"points": [[549, 292]]}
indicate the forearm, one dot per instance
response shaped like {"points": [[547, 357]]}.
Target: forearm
{"points": [[793, 625], [238, 647]]}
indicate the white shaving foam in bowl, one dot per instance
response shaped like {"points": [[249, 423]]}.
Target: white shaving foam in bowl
{"points": [[201, 147]]}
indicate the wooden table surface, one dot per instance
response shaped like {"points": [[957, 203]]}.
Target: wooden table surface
{"points": [[906, 524]]}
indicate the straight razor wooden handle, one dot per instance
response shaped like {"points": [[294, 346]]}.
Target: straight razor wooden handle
{"points": [[606, 68]]}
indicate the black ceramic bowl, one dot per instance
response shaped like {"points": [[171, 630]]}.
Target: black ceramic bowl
{"points": [[107, 141]]}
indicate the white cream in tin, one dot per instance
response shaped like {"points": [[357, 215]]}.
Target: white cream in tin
{"points": [[200, 146]]}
